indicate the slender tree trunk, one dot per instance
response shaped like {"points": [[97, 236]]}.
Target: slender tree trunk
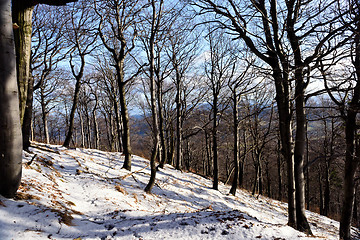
{"points": [[125, 121], [279, 166], [236, 146], [27, 123], [154, 26], [44, 116], [208, 153], [88, 128], [215, 147], [171, 154], [118, 126], [82, 131], [161, 125], [72, 113], [10, 127], [307, 189], [96, 127], [178, 126]]}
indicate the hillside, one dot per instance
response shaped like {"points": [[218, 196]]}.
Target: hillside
{"points": [[84, 194]]}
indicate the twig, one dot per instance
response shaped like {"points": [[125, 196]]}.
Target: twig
{"points": [[30, 162]]}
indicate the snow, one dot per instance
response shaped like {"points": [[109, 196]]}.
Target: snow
{"points": [[85, 194]]}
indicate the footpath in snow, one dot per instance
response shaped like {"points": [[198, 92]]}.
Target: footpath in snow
{"points": [[84, 194]]}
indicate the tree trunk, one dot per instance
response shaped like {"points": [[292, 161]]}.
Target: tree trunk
{"points": [[352, 155], [279, 165], [44, 115], [96, 127], [178, 126], [125, 120], [118, 125], [27, 123], [236, 146], [215, 150], [72, 113], [299, 152], [10, 127], [156, 136], [22, 16], [284, 111], [161, 125]]}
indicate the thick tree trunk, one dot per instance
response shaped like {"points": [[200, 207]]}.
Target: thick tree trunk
{"points": [[22, 16], [352, 156], [10, 127], [283, 103], [299, 152], [351, 164]]}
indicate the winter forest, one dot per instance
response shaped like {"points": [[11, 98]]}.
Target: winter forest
{"points": [[261, 95]]}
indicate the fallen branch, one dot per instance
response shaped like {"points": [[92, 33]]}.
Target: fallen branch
{"points": [[128, 175], [44, 149]]}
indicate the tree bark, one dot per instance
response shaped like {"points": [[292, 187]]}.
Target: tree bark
{"points": [[27, 122], [214, 146], [10, 127], [22, 16], [156, 136], [72, 112], [352, 155], [178, 122], [236, 144], [125, 120]]}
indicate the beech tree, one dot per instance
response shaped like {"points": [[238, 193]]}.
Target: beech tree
{"points": [[81, 37], [278, 33], [117, 31], [218, 69], [11, 144], [155, 20], [22, 11], [347, 98], [10, 130]]}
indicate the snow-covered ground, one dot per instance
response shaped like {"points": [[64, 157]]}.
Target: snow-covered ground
{"points": [[84, 194]]}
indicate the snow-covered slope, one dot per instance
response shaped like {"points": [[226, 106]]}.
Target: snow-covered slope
{"points": [[84, 194]]}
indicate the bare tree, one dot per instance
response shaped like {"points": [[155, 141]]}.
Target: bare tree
{"points": [[218, 69], [10, 136], [239, 85], [22, 12], [81, 36], [286, 57], [155, 19], [117, 30]]}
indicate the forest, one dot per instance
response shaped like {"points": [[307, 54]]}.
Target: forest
{"points": [[261, 95]]}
